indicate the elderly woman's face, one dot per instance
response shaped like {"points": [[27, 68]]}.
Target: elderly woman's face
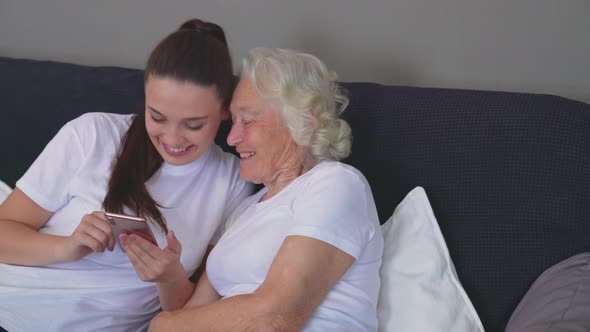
{"points": [[267, 150]]}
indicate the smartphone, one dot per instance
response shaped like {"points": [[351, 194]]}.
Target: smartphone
{"points": [[124, 224]]}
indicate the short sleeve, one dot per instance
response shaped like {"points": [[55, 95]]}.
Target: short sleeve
{"points": [[334, 208], [47, 180], [240, 190]]}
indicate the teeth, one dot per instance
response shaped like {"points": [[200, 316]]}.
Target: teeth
{"points": [[247, 154], [176, 150]]}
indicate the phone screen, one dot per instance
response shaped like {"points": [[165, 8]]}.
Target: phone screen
{"points": [[124, 224]]}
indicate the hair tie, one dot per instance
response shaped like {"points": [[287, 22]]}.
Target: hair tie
{"points": [[212, 31], [202, 29]]}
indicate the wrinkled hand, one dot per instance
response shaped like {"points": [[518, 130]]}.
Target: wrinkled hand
{"points": [[93, 234], [152, 263]]}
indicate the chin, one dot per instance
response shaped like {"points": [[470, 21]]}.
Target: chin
{"points": [[249, 178], [179, 162], [176, 162]]}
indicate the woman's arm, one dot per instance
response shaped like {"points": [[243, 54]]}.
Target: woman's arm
{"points": [[163, 267], [302, 273], [21, 243], [204, 293]]}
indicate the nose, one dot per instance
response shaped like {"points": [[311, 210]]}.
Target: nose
{"points": [[173, 137], [235, 134]]}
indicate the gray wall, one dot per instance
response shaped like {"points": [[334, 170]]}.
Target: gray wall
{"points": [[540, 46]]}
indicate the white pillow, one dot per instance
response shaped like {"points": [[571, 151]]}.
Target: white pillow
{"points": [[4, 191], [420, 290]]}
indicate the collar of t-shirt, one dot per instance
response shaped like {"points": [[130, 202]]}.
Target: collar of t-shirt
{"points": [[191, 167]]}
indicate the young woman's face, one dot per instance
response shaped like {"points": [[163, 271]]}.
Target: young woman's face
{"points": [[181, 118]]}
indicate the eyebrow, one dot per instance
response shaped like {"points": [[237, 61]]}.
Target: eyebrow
{"points": [[243, 109], [187, 119]]}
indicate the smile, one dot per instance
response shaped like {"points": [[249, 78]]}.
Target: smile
{"points": [[246, 155], [178, 152]]}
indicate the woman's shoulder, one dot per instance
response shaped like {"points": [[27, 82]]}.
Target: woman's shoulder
{"points": [[101, 120], [337, 172], [104, 128], [100, 124], [333, 178]]}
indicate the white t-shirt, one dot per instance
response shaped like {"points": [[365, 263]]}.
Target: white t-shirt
{"points": [[333, 203], [102, 292]]}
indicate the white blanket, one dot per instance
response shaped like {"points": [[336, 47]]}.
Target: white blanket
{"points": [[4, 191]]}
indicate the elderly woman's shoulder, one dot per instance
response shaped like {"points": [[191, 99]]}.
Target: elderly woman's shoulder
{"points": [[337, 172]]}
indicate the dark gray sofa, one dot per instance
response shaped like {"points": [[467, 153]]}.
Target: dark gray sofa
{"points": [[508, 174]]}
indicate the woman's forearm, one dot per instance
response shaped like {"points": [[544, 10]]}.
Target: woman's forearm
{"points": [[20, 241], [238, 313], [174, 295], [22, 245]]}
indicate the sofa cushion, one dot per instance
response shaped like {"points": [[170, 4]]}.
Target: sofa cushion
{"points": [[559, 300], [420, 290]]}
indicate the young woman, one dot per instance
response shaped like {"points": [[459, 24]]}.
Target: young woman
{"points": [[63, 269]]}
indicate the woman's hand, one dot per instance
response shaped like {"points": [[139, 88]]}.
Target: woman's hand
{"points": [[152, 263], [93, 234], [162, 266]]}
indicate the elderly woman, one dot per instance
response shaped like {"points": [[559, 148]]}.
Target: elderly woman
{"points": [[304, 252]]}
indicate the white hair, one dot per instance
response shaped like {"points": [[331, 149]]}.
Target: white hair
{"points": [[310, 99]]}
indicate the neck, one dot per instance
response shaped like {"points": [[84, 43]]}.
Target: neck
{"points": [[284, 177]]}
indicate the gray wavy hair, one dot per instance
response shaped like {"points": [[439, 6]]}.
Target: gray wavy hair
{"points": [[310, 99]]}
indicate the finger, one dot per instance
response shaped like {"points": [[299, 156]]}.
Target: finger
{"points": [[97, 222], [149, 266], [98, 234], [99, 215], [139, 266], [173, 243], [143, 249], [148, 246], [87, 240], [122, 240], [96, 219], [111, 241]]}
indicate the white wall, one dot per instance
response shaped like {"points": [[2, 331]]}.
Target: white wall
{"points": [[540, 46]]}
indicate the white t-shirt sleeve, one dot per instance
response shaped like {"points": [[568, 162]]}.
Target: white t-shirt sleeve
{"points": [[240, 190], [47, 180], [334, 208]]}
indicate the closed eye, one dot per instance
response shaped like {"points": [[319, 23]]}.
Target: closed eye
{"points": [[195, 128], [158, 120]]}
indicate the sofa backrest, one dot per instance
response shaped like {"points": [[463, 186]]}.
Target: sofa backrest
{"points": [[39, 97], [508, 174]]}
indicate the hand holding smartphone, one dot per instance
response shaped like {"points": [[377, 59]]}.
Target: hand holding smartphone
{"points": [[124, 224]]}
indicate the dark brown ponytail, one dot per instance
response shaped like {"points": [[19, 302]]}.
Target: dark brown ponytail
{"points": [[197, 53]]}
